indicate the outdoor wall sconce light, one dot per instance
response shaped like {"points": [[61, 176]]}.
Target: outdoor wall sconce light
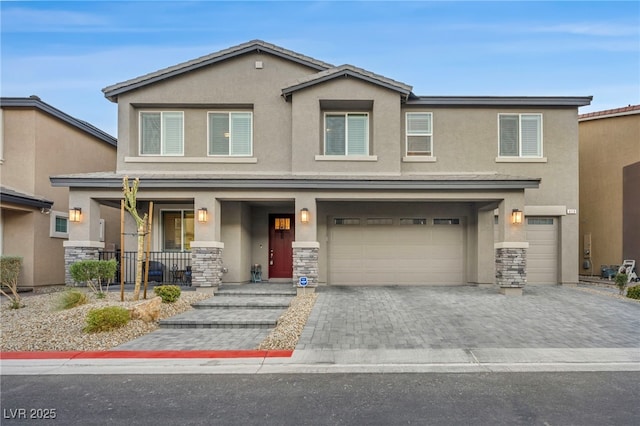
{"points": [[516, 216], [304, 215], [202, 215], [75, 214]]}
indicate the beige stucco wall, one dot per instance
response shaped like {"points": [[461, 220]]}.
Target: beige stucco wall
{"points": [[36, 146], [224, 87], [607, 145]]}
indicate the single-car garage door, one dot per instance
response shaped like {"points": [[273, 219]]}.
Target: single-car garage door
{"points": [[542, 256], [385, 251]]}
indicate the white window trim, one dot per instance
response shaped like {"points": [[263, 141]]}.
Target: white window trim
{"points": [[52, 224], [520, 158], [346, 129], [406, 137], [161, 133], [240, 156]]}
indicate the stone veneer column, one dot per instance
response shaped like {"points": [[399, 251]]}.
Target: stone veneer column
{"points": [[511, 267], [206, 265], [305, 263], [75, 251]]}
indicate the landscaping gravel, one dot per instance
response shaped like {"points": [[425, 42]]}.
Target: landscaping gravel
{"points": [[41, 326]]}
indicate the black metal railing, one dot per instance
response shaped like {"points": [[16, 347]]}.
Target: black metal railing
{"points": [[164, 267]]}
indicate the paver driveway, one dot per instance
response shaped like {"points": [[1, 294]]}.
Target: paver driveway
{"points": [[468, 317]]}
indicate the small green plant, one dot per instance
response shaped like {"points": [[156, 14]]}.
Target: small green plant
{"points": [[71, 299], [94, 273], [621, 281], [634, 292], [105, 319], [9, 271], [168, 293]]}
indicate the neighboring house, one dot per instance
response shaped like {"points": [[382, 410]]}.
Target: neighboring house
{"points": [[37, 141], [340, 175], [609, 188]]}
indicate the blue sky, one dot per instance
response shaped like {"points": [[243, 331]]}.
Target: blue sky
{"points": [[67, 52]]}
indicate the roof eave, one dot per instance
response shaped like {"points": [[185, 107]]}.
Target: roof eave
{"points": [[524, 101], [37, 103], [288, 91], [112, 92], [326, 184]]}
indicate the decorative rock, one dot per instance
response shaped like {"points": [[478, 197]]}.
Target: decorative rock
{"points": [[147, 311]]}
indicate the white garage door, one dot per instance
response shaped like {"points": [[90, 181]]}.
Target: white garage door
{"points": [[542, 256], [396, 251]]}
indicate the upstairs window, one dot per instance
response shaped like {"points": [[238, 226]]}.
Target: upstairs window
{"points": [[231, 133], [520, 135], [419, 133], [346, 134], [161, 133]]}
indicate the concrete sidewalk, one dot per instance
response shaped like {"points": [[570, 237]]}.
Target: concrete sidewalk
{"points": [[422, 329]]}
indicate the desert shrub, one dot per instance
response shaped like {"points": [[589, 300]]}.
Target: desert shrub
{"points": [[71, 299], [9, 271], [105, 319], [94, 273], [634, 292], [621, 281], [168, 293]]}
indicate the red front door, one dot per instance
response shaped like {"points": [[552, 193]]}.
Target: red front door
{"points": [[281, 235]]}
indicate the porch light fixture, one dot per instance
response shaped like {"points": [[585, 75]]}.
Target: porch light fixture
{"points": [[202, 215], [75, 214], [304, 215], [516, 216]]}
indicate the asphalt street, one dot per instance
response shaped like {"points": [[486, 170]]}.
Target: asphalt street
{"points": [[561, 398]]}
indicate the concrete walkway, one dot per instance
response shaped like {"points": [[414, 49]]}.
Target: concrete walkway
{"points": [[422, 329]]}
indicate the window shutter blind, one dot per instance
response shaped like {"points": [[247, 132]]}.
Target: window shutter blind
{"points": [[219, 134], [358, 130], [530, 135], [420, 145], [172, 129], [418, 123], [335, 135], [240, 133], [509, 136], [150, 133]]}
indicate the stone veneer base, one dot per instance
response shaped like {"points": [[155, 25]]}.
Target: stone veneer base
{"points": [[73, 254], [511, 267], [305, 264], [206, 264]]}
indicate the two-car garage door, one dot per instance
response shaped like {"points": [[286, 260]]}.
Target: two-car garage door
{"points": [[387, 251]]}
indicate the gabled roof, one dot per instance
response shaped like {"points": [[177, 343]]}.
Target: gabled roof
{"points": [[347, 71], [8, 195], [112, 92], [36, 103], [616, 112]]}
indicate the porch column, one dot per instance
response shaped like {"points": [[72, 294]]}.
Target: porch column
{"points": [[206, 250], [306, 246], [84, 236], [511, 247]]}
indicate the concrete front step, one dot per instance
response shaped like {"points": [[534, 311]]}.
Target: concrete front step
{"points": [[257, 290], [244, 302], [224, 318]]}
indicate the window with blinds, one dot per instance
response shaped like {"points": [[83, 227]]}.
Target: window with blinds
{"points": [[419, 133], [346, 134], [162, 133], [520, 135], [230, 133]]}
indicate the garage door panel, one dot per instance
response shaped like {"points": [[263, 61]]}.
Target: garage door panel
{"points": [[542, 255], [396, 254]]}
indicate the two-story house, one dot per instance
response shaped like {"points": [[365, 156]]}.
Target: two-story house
{"points": [[38, 140], [609, 188], [260, 155]]}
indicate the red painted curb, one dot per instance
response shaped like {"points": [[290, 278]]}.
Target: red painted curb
{"points": [[147, 354]]}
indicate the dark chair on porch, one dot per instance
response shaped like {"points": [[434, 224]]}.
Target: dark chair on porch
{"points": [[156, 271]]}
